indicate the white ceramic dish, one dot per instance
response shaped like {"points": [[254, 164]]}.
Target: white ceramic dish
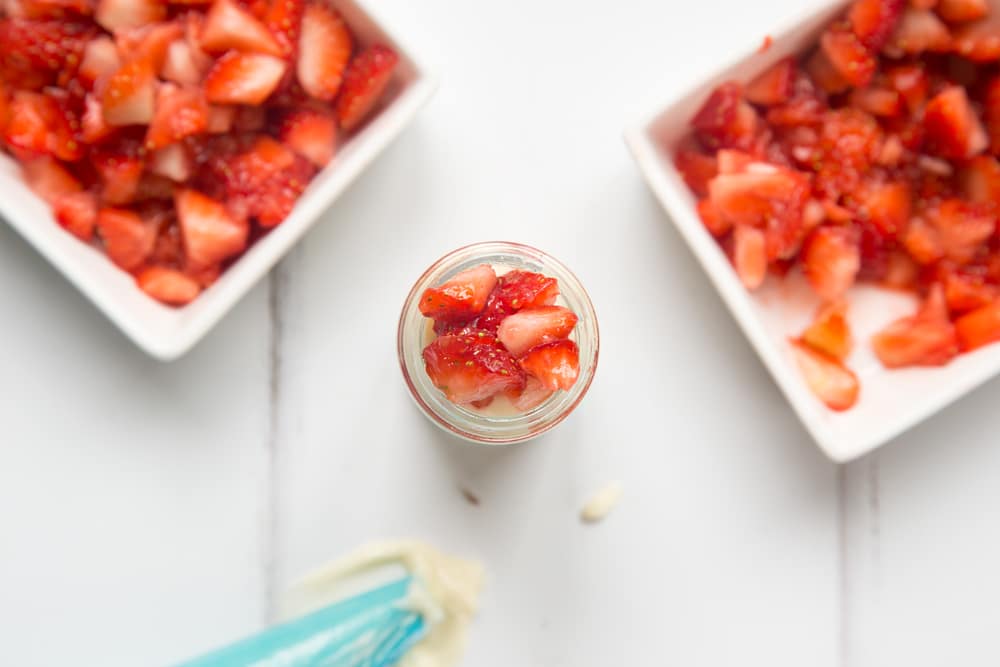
{"points": [[891, 401], [167, 333]]}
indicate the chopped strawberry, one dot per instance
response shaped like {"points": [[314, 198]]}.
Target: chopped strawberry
{"points": [[172, 162], [967, 290], [886, 205], [48, 178], [979, 180], [831, 259], [958, 11], [117, 15], [717, 224], [829, 331], [34, 54], [76, 212], [927, 338], [284, 20], [749, 255], [828, 379], [853, 62], [919, 30], [979, 41], [530, 327], [180, 112], [877, 101], [901, 271], [514, 291], [100, 60], [230, 27], [804, 107], [220, 118], [36, 124], [696, 167], [310, 133], [93, 127], [149, 42], [365, 80], [120, 166], [953, 129], [49, 9], [873, 21], [773, 86], [185, 63], [978, 328], [325, 46], [210, 234], [555, 364], [168, 285], [472, 367], [460, 298], [128, 239], [725, 120], [911, 82], [961, 227], [243, 78], [534, 394], [824, 74], [129, 97], [991, 112]]}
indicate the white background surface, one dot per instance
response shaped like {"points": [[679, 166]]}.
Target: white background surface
{"points": [[149, 512]]}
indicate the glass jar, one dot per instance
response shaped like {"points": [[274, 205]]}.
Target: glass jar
{"points": [[483, 428]]}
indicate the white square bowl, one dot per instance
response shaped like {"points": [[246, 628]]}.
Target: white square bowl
{"points": [[891, 401], [164, 332]]}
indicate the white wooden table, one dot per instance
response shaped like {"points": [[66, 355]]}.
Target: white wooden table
{"points": [[149, 511]]}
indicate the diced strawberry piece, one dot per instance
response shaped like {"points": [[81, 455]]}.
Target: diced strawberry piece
{"points": [[824, 74], [958, 11], [729, 161], [911, 82], [93, 127], [515, 291], [49, 179], [877, 101], [76, 212], [804, 107], [309, 132], [117, 15], [749, 255], [853, 62], [773, 86], [534, 394], [952, 127], [220, 119], [886, 205], [210, 234], [962, 226], [979, 180], [129, 97], [991, 112], [919, 30], [149, 42], [180, 112], [168, 285], [831, 260], [829, 331], [100, 60], [967, 290], [120, 166], [696, 167], [979, 41], [922, 241], [243, 78], [284, 20], [927, 338], [472, 367], [36, 124], [901, 271], [726, 120], [324, 49], [978, 328], [460, 298], [828, 379], [230, 27], [556, 364], [717, 224], [184, 63], [204, 276], [172, 162], [34, 54], [873, 21], [366, 78], [530, 327], [49, 9], [128, 239]]}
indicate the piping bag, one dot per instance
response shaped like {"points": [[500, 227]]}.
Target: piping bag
{"points": [[387, 603]]}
